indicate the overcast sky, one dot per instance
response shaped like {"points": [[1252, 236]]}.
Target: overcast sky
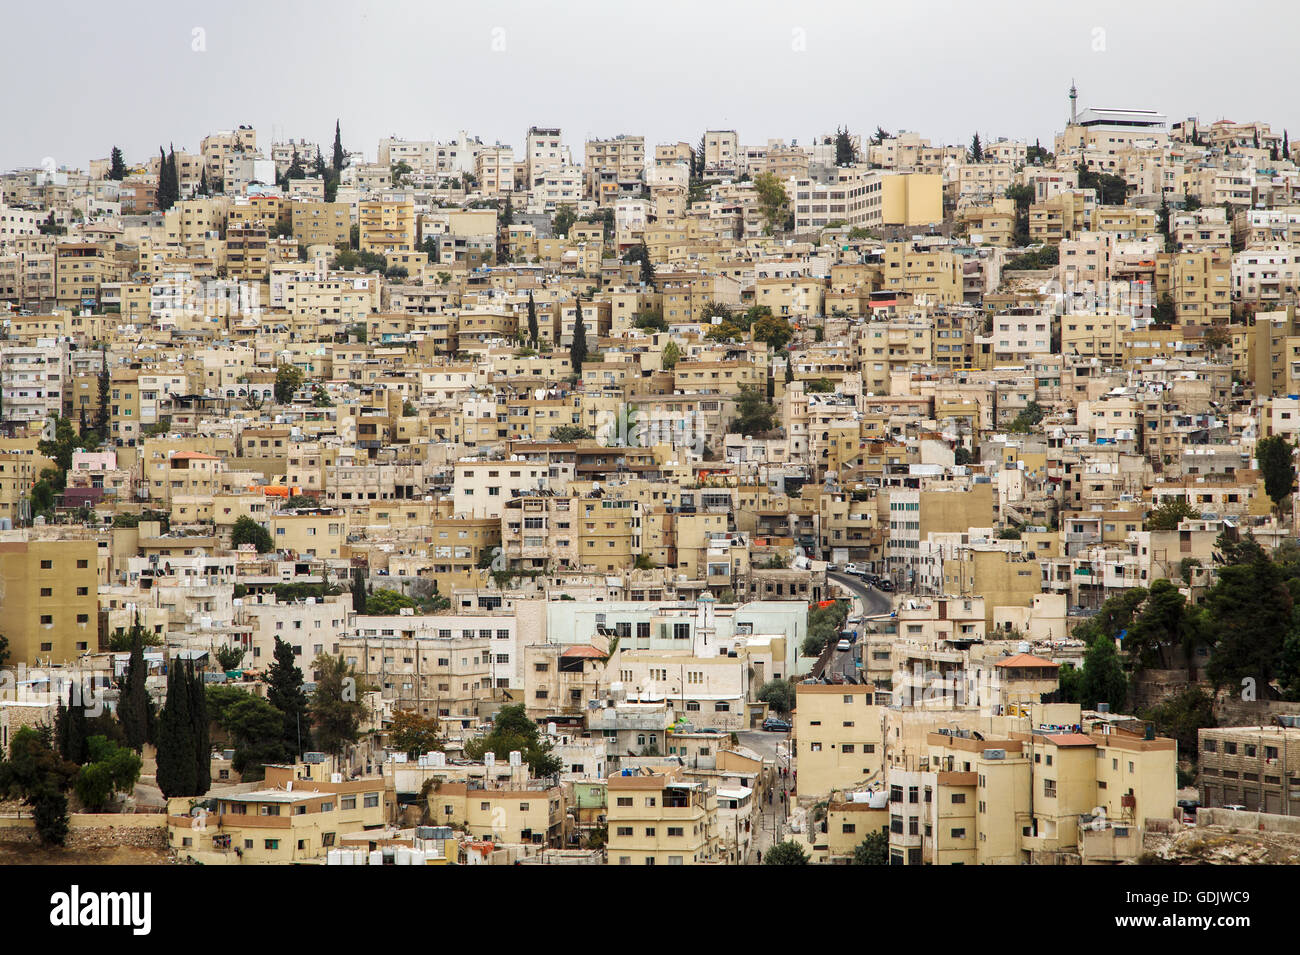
{"points": [[78, 78]]}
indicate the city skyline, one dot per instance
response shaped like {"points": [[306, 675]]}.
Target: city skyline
{"points": [[594, 81]]}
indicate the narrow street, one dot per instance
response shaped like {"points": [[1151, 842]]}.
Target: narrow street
{"points": [[770, 819]]}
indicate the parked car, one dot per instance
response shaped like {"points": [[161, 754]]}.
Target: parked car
{"points": [[773, 725], [850, 568], [843, 645], [886, 584], [833, 567]]}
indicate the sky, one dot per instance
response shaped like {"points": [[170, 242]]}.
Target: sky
{"points": [[80, 78]]}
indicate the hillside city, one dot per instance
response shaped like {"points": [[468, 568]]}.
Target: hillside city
{"points": [[848, 500]]}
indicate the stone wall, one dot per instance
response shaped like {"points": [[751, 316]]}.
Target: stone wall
{"points": [[93, 830]]}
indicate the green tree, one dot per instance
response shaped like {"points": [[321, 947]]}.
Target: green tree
{"points": [[513, 730], [873, 850], [1180, 717], [336, 707], [36, 774], [778, 694], [386, 603], [1277, 465], [671, 356], [976, 151], [846, 153], [578, 350], [70, 735], [563, 220], [176, 743], [413, 734], [1170, 514], [534, 331], [1103, 675], [773, 201], [285, 693], [1158, 627], [1248, 616], [358, 593], [229, 656], [110, 769], [248, 531], [754, 413], [775, 332], [60, 448], [570, 432], [257, 730], [786, 853], [288, 379], [105, 384], [202, 729], [116, 165], [134, 707], [338, 160]]}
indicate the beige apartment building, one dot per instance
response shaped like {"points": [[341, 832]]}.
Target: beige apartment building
{"points": [[660, 819], [387, 225], [838, 737], [51, 598]]}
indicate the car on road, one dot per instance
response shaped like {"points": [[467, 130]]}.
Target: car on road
{"points": [[833, 567], [886, 584], [773, 725], [850, 568], [843, 645]]}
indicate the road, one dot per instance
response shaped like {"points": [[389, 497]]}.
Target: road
{"points": [[866, 601]]}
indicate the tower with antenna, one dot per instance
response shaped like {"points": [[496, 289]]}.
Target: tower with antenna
{"points": [[1074, 104]]}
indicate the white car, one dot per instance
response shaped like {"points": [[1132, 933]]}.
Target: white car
{"points": [[844, 645], [850, 568]]}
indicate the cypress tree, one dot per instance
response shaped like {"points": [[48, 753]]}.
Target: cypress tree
{"points": [[173, 179], [358, 594], [72, 736], [532, 320], [134, 709], [286, 694], [201, 731], [338, 149], [116, 165], [578, 351], [101, 413], [176, 758], [163, 204], [647, 267]]}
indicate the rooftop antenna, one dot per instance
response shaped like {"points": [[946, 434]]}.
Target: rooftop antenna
{"points": [[1074, 103]]}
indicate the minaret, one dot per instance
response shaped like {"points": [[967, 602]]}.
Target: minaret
{"points": [[1074, 104]]}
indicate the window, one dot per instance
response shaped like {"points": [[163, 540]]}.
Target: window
{"points": [[625, 801], [348, 802], [676, 832], [625, 830], [959, 833], [1049, 788], [271, 844]]}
